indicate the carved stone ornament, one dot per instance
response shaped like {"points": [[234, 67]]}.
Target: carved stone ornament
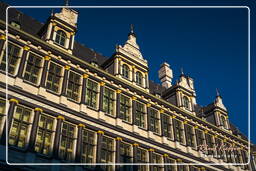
{"points": [[68, 15]]}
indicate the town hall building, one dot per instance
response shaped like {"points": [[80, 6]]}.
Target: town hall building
{"points": [[65, 107]]}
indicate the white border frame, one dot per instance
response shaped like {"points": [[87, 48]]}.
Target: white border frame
{"points": [[203, 164]]}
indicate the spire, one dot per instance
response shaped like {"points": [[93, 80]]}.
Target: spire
{"points": [[217, 93], [132, 30], [66, 3], [181, 71]]}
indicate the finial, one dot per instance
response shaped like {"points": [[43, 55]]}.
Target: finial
{"points": [[181, 70], [132, 28], [66, 2], [52, 11], [217, 92]]}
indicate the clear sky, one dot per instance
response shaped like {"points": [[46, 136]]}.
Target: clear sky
{"points": [[211, 45]]}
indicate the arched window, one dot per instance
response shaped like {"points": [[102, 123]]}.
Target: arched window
{"points": [[138, 78], [186, 102], [60, 37], [125, 71]]}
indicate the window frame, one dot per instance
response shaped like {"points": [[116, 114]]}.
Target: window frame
{"points": [[73, 139], [108, 152], [125, 73], [3, 115], [110, 101], [20, 123], [138, 78], [141, 160], [154, 157], [89, 146], [167, 123], [129, 157], [60, 38], [140, 116], [89, 101], [190, 135], [124, 116], [40, 70], [178, 131], [46, 130], [154, 121], [61, 77], [74, 83], [18, 57], [186, 102]]}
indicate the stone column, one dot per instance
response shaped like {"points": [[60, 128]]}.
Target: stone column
{"points": [[118, 140], [83, 97], [65, 81], [79, 143], [13, 103], [49, 30], [133, 109], [102, 84], [26, 49], [148, 115], [2, 41], [99, 140], [45, 70], [166, 161], [135, 160], [150, 151], [118, 98], [38, 112], [56, 145]]}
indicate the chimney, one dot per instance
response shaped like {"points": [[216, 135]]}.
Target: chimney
{"points": [[165, 75]]}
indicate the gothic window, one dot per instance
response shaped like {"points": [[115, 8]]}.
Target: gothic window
{"points": [[107, 152], [125, 155], [157, 158], [166, 126], [60, 37], [13, 58], [153, 120], [190, 135], [108, 101], [33, 68], [73, 88], [54, 77], [138, 78], [125, 71], [67, 141], [140, 115], [141, 157], [91, 93], [20, 127], [44, 136], [125, 108], [186, 102], [178, 131], [88, 146]]}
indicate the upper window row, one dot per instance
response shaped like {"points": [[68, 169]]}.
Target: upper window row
{"points": [[126, 74]]}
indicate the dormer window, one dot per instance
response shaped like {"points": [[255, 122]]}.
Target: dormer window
{"points": [[125, 71], [186, 102], [138, 78], [60, 37]]}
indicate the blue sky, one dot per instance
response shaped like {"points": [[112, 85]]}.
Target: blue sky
{"points": [[210, 44]]}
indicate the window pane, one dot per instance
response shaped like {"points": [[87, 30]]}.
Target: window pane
{"points": [[33, 68]]}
